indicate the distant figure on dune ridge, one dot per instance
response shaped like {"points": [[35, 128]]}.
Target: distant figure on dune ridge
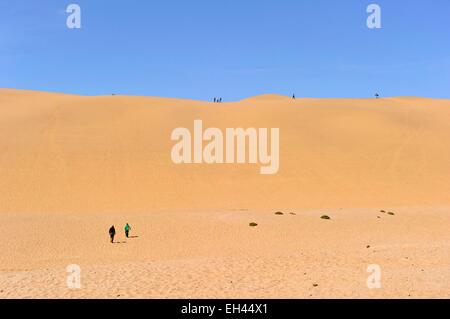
{"points": [[127, 230], [293, 96], [215, 99], [377, 95], [112, 233], [220, 100]]}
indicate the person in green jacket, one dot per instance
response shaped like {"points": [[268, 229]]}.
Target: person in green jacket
{"points": [[127, 229]]}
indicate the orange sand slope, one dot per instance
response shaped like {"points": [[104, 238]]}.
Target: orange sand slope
{"points": [[65, 153], [72, 166]]}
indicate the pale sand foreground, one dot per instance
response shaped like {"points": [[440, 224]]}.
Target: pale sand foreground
{"points": [[72, 166], [217, 255]]}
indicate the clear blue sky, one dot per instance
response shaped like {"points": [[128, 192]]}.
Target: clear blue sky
{"points": [[230, 48]]}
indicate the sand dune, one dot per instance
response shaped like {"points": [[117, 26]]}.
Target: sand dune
{"points": [[70, 166]]}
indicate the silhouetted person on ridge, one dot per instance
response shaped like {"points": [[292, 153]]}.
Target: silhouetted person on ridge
{"points": [[215, 100], [377, 95], [293, 96]]}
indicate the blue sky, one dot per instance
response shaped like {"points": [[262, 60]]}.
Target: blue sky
{"points": [[200, 49]]}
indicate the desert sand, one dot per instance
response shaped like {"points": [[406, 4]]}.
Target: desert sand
{"points": [[71, 166]]}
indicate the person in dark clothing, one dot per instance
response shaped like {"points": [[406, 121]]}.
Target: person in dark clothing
{"points": [[112, 233], [215, 100], [220, 100], [127, 230], [377, 95], [293, 96]]}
